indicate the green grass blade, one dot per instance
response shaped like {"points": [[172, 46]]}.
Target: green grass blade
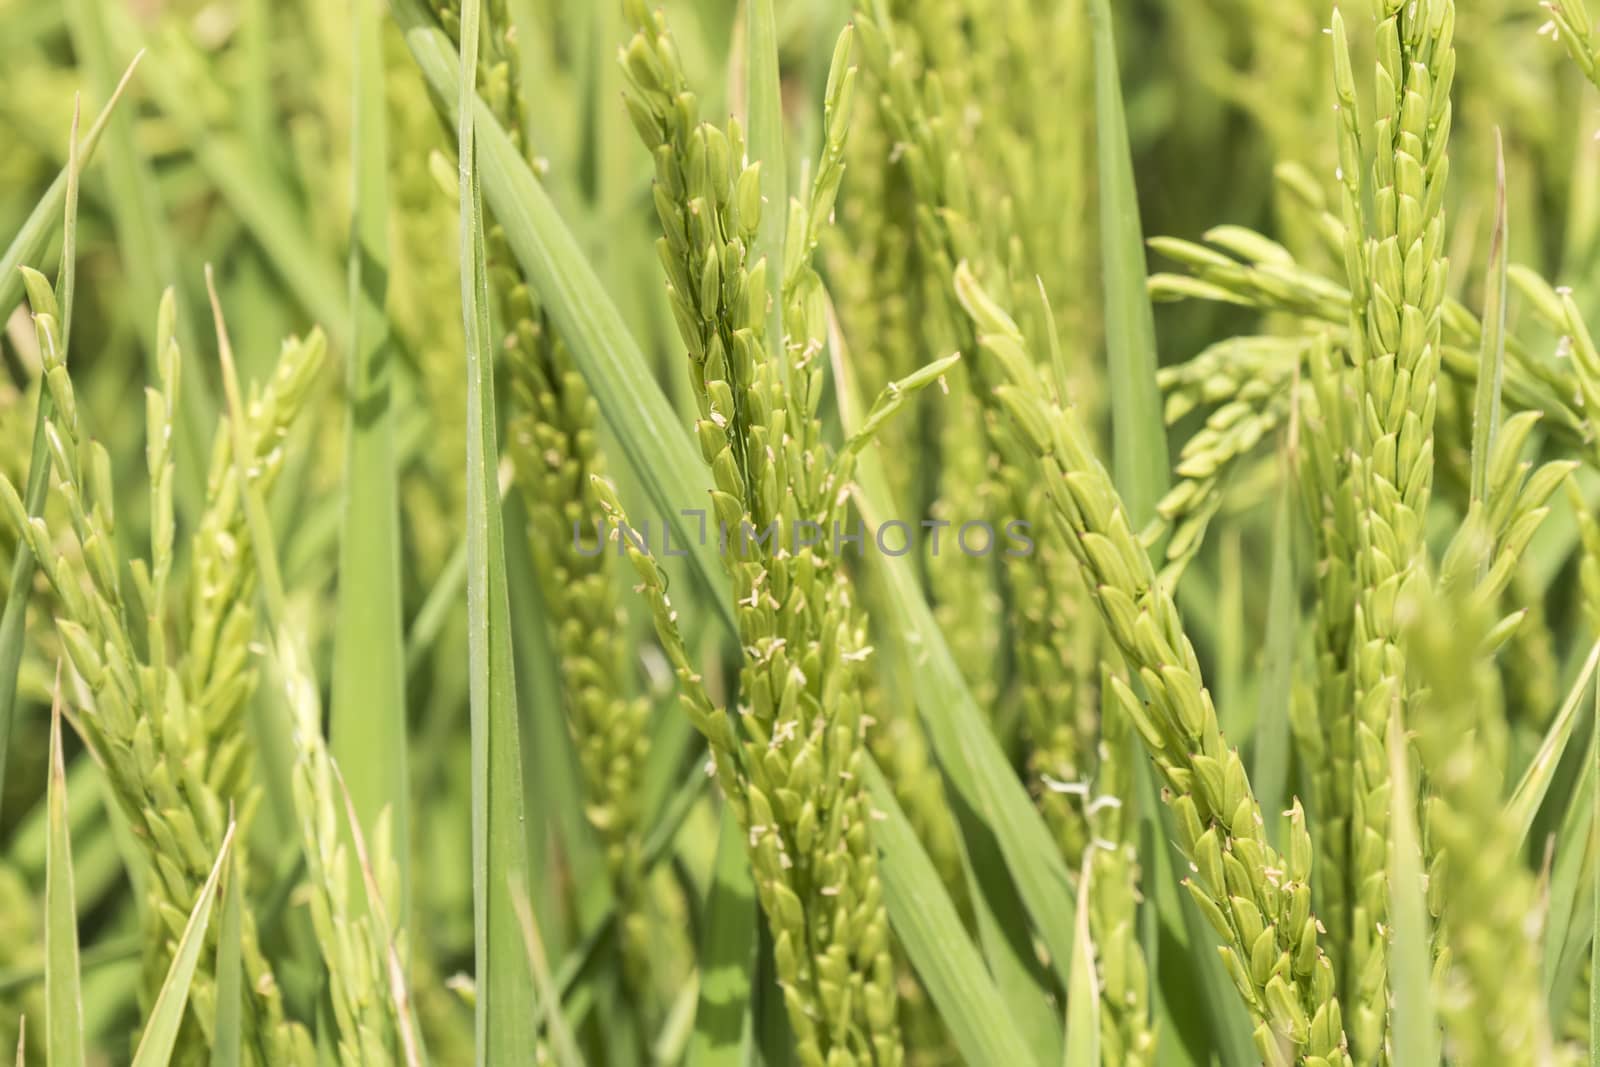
{"points": [[1269, 769], [1006, 939], [63, 1017], [166, 1015], [1535, 783], [764, 125], [255, 96], [930, 930], [1416, 1031], [228, 1032], [555, 1024], [562, 844], [772, 1041], [1139, 441], [1569, 886], [968, 753], [1486, 396], [504, 1023], [368, 713], [727, 955], [646, 427], [1083, 996], [1594, 929]]}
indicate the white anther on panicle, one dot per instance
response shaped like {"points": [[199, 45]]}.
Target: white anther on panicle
{"points": [[1056, 785], [1100, 803]]}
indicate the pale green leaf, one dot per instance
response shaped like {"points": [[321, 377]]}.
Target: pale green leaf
{"points": [[166, 1015]]}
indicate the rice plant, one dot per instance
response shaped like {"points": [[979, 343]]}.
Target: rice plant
{"points": [[837, 533]]}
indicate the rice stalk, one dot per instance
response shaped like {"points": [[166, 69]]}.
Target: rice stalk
{"points": [[1257, 900], [794, 776]]}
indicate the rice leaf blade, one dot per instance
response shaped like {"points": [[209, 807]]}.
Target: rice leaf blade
{"points": [[727, 956], [1416, 1027], [963, 741], [504, 1024], [1594, 918], [161, 1028], [553, 1018], [931, 932], [227, 1038], [368, 711], [1568, 885], [1139, 441], [1083, 996], [1491, 363], [1530, 791], [1270, 764], [63, 989]]}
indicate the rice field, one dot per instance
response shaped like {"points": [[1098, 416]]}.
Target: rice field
{"points": [[832, 533]]}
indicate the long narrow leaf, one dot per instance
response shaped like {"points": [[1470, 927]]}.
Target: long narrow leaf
{"points": [[961, 737], [368, 713], [1415, 1025], [63, 1016], [560, 1034], [930, 931], [1139, 443], [1594, 928], [505, 987], [727, 955], [1535, 783], [166, 1015], [228, 1030], [1486, 396], [1568, 894], [1083, 996], [1269, 769]]}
